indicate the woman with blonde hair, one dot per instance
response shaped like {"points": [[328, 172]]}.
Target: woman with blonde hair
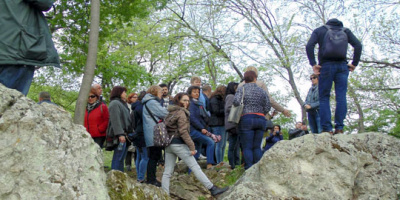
{"points": [[153, 113]]}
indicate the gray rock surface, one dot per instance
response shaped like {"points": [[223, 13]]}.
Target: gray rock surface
{"points": [[44, 155], [362, 166]]}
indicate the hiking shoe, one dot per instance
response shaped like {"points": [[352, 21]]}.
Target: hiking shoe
{"points": [[338, 131], [216, 190], [155, 183]]}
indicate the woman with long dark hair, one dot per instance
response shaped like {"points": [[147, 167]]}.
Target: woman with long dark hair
{"points": [[119, 126], [182, 146], [231, 128], [217, 120]]}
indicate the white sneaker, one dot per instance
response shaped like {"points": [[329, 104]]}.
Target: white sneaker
{"points": [[201, 157]]}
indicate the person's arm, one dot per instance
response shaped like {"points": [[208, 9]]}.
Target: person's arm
{"points": [[238, 96], [357, 47], [105, 117], [267, 104], [194, 117], [183, 127], [115, 118], [310, 48], [42, 5], [157, 110]]}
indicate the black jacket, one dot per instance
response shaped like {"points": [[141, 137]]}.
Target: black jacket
{"points": [[217, 111], [318, 37]]}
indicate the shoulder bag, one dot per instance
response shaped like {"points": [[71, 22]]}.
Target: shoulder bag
{"points": [[236, 111]]}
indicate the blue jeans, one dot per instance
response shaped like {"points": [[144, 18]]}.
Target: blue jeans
{"points": [[141, 162], [198, 138], [234, 150], [117, 162], [220, 146], [17, 77], [314, 121], [251, 128], [338, 73]]}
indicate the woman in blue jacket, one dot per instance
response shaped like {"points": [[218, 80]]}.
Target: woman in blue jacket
{"points": [[198, 125], [152, 106]]}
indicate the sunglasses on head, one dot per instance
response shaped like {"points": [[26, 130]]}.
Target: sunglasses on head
{"points": [[92, 96]]}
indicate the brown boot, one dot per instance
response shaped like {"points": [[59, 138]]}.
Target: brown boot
{"points": [[338, 131]]}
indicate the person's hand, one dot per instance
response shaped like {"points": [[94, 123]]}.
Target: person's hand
{"points": [[351, 67], [316, 69], [204, 131], [287, 113], [122, 139], [307, 107], [274, 133], [193, 152]]}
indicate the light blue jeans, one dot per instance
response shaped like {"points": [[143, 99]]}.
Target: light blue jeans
{"points": [[220, 146], [182, 151], [117, 162]]}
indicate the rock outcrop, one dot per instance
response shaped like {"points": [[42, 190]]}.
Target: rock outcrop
{"points": [[121, 187], [44, 155], [362, 166]]}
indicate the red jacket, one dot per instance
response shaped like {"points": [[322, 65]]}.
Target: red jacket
{"points": [[96, 121]]}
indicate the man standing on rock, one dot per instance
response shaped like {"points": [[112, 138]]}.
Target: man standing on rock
{"points": [[25, 42], [332, 66]]}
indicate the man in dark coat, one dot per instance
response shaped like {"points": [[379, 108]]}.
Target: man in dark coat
{"points": [[332, 68], [25, 42]]}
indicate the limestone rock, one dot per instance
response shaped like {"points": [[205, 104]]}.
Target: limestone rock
{"points": [[362, 166], [44, 155], [122, 187]]}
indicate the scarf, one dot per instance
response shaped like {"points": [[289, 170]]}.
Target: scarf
{"points": [[92, 106]]}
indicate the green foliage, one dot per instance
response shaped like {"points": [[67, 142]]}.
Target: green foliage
{"points": [[234, 175]]}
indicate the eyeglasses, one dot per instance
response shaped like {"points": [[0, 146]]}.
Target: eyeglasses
{"points": [[313, 78], [185, 100], [92, 96], [133, 97]]}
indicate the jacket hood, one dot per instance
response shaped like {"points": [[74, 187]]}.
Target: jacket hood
{"points": [[174, 108], [334, 22], [149, 97], [134, 105]]}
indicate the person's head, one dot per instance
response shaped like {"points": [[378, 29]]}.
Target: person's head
{"points": [[93, 96], [182, 99], [277, 128], [298, 125], [195, 81], [164, 89], [220, 91], [118, 92], [132, 98], [314, 79], [141, 95], [250, 77], [194, 92], [155, 90], [231, 88], [251, 68], [98, 89], [44, 96], [206, 90], [303, 126]]}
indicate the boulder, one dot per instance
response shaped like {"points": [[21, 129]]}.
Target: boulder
{"points": [[121, 187], [44, 155], [361, 166]]}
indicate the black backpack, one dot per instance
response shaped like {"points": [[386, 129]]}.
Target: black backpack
{"points": [[335, 43]]}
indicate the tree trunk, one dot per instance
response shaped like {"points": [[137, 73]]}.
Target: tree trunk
{"points": [[90, 63], [361, 127]]}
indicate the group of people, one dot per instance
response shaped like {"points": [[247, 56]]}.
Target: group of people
{"points": [[197, 118]]}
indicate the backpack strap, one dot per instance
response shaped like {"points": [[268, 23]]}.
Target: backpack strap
{"points": [[151, 114]]}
